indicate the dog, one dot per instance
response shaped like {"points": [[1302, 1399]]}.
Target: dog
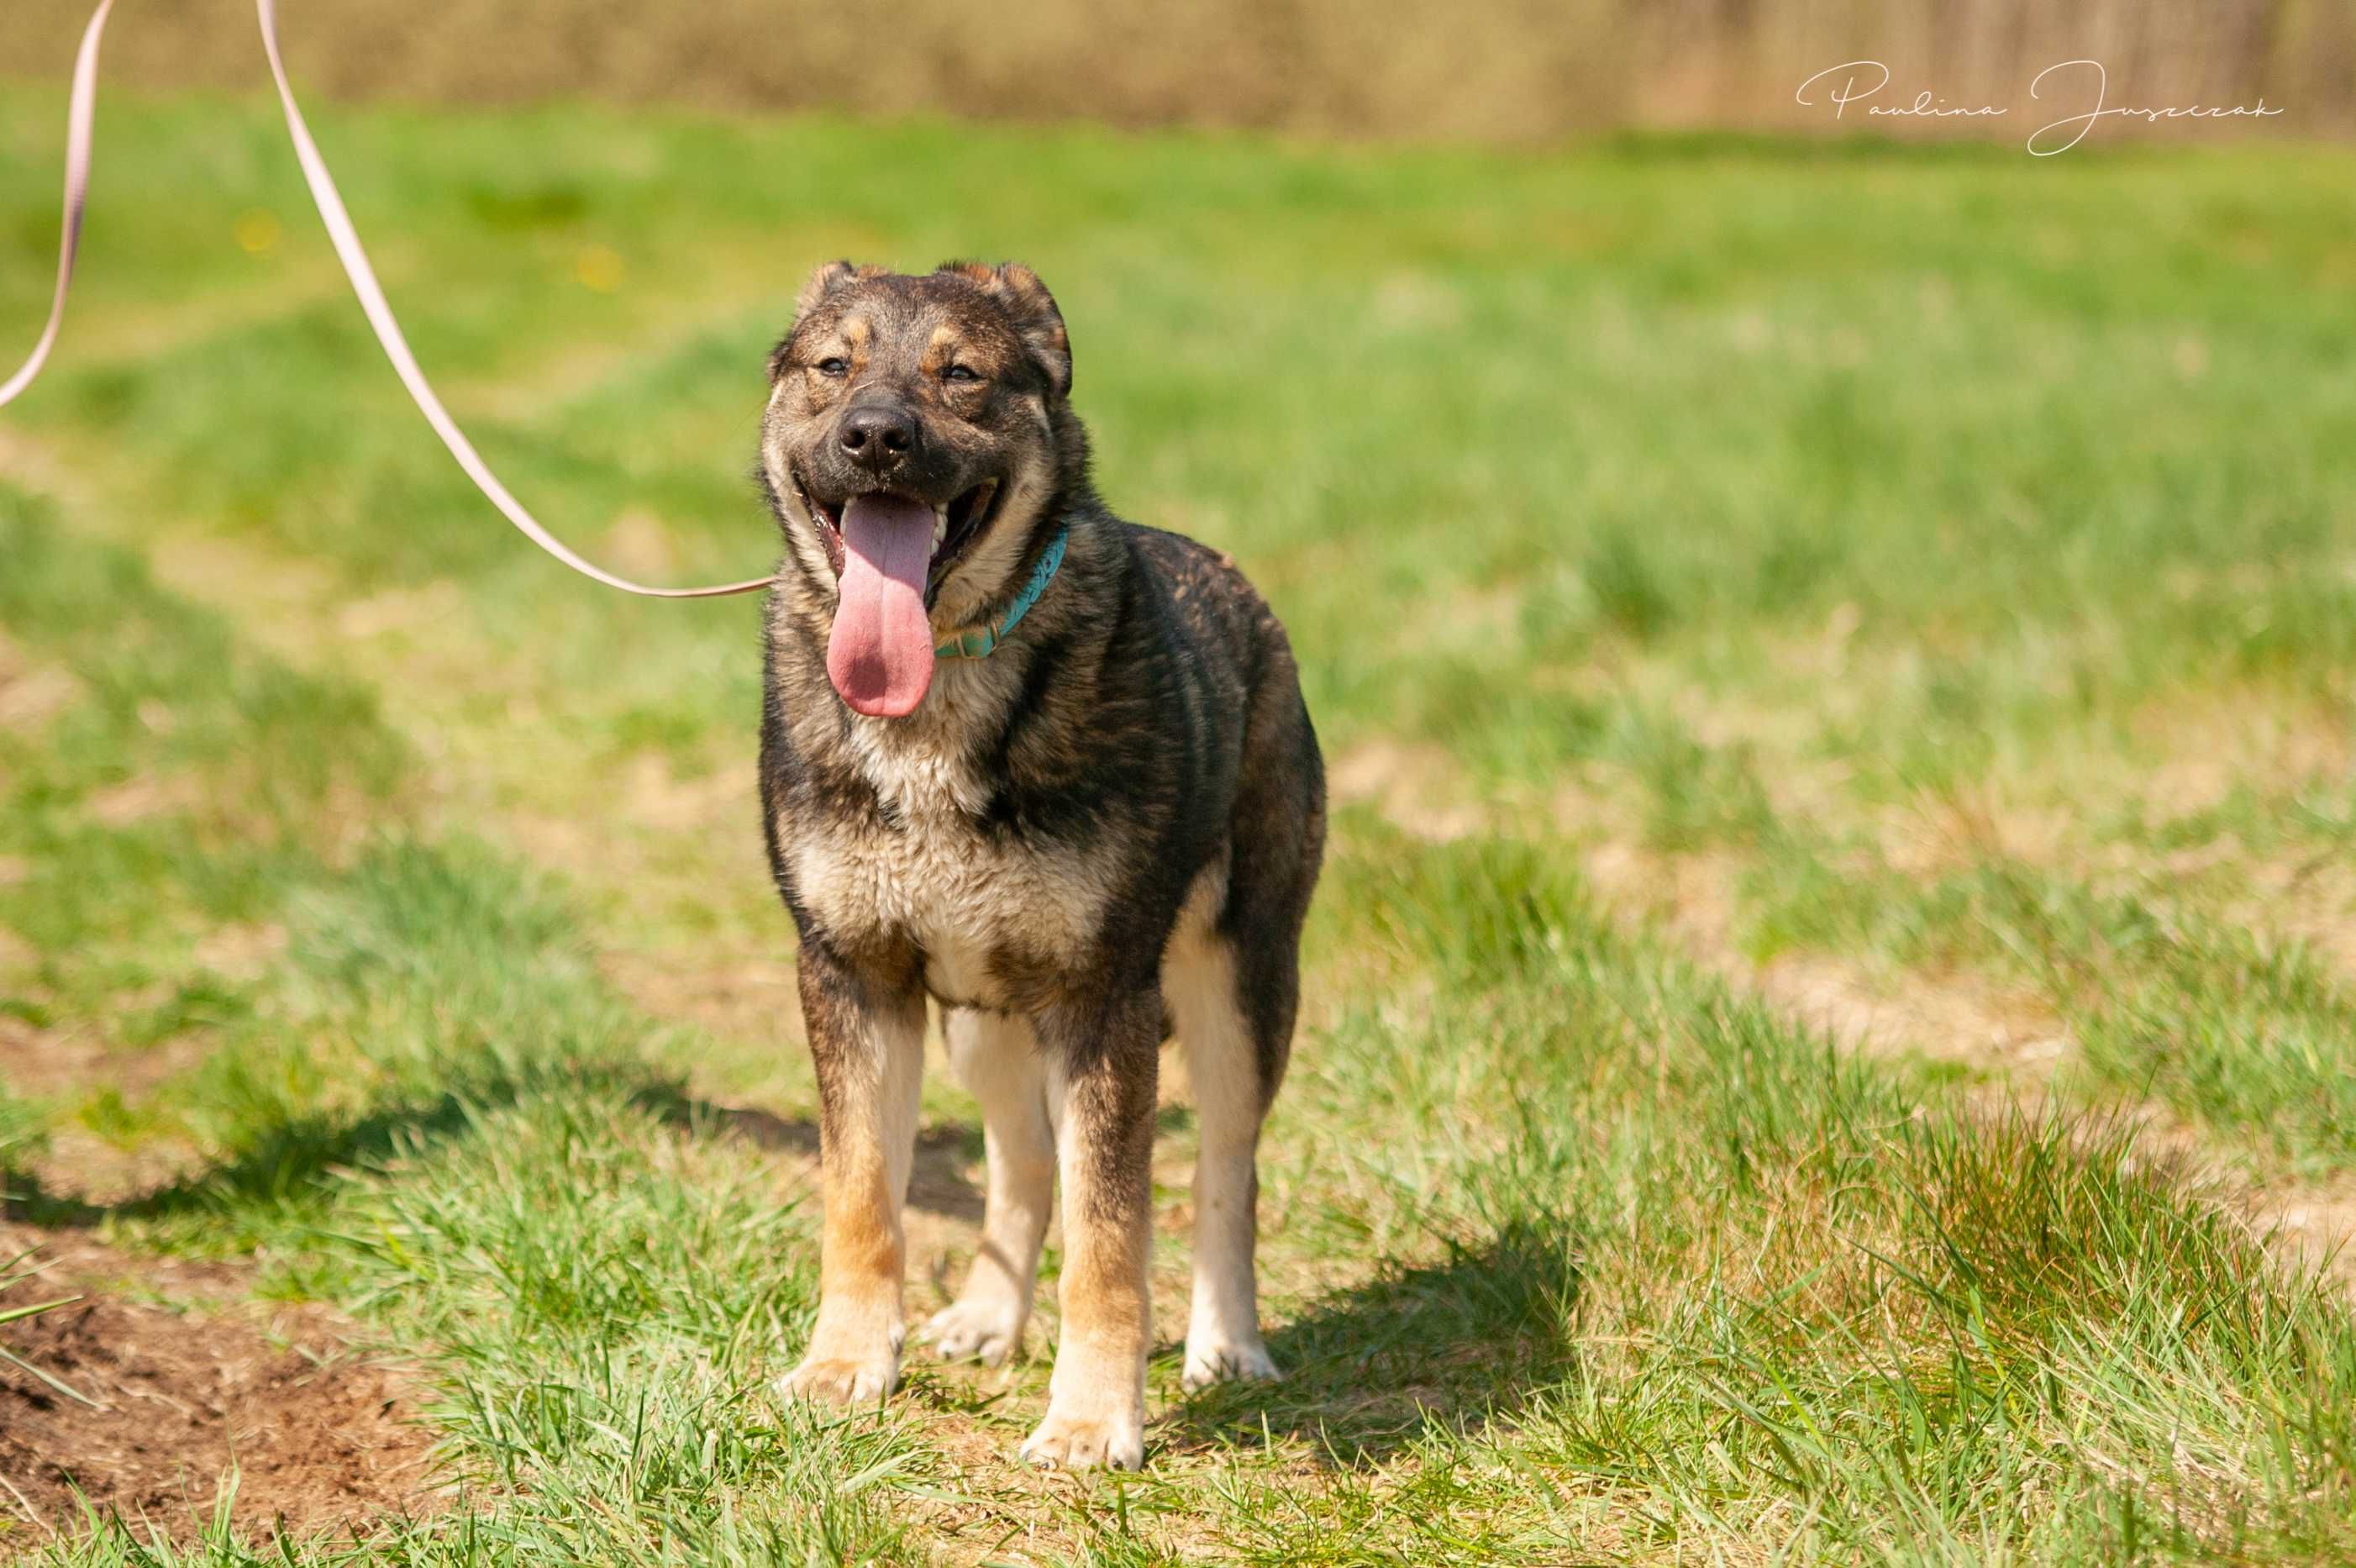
{"points": [[1051, 770]]}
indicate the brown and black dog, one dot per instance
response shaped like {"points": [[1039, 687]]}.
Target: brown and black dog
{"points": [[1090, 821]]}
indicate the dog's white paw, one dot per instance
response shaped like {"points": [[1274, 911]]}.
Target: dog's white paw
{"points": [[1071, 1441], [843, 1380], [984, 1330], [1220, 1361]]}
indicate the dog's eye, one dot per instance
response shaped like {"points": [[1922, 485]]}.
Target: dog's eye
{"points": [[959, 373], [831, 366]]}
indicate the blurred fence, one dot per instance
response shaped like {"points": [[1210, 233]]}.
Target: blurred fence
{"points": [[1512, 69]]}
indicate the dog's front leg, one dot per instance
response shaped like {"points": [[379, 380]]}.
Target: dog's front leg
{"points": [[1102, 1060], [867, 1041]]}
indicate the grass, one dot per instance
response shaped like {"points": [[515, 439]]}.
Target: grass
{"points": [[1706, 557], [19, 1310]]}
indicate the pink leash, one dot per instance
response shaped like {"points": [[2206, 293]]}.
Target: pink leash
{"points": [[80, 116]]}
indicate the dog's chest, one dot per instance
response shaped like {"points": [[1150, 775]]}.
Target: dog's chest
{"points": [[978, 903]]}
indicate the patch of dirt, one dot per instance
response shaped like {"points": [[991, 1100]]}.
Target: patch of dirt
{"points": [[63, 1065], [2308, 1224], [2207, 747], [1417, 789], [139, 799], [167, 1397], [418, 611], [64, 1061], [240, 953], [1946, 1017], [2312, 901], [735, 995], [32, 694]]}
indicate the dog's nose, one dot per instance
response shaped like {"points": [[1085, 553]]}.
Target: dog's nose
{"points": [[877, 437]]}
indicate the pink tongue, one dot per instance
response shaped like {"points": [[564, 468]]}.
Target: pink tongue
{"points": [[880, 655]]}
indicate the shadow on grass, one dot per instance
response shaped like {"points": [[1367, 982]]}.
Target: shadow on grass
{"points": [[936, 1184], [292, 1161], [1464, 1342]]}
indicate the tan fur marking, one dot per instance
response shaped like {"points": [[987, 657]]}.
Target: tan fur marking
{"points": [[868, 1127], [1198, 980], [1096, 1397]]}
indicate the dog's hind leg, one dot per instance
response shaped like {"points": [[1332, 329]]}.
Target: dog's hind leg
{"points": [[1232, 979], [996, 1056], [1223, 1062]]}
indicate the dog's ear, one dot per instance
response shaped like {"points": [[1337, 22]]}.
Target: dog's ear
{"points": [[828, 277], [823, 282], [1041, 325]]}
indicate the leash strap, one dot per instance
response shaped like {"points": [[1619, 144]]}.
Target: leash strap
{"points": [[354, 257], [81, 115]]}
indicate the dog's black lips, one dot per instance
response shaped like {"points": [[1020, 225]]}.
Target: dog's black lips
{"points": [[830, 523], [968, 516]]}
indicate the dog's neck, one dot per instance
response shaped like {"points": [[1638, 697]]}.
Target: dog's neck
{"points": [[947, 756], [981, 639]]}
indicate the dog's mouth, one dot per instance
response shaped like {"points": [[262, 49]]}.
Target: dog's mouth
{"points": [[890, 554], [957, 523]]}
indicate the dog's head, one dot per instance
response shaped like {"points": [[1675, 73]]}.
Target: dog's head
{"points": [[916, 428]]}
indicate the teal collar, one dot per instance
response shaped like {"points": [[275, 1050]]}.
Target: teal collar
{"points": [[975, 641]]}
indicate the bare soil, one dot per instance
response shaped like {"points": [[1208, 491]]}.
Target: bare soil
{"points": [[177, 1395]]}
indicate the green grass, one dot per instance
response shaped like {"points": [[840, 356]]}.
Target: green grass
{"points": [[2218, 1019], [1939, 559]]}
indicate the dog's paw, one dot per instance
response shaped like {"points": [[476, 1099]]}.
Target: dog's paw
{"points": [[986, 1331], [1086, 1442], [1227, 1360], [843, 1380]]}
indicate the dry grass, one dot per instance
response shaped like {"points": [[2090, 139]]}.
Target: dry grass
{"points": [[1522, 71]]}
